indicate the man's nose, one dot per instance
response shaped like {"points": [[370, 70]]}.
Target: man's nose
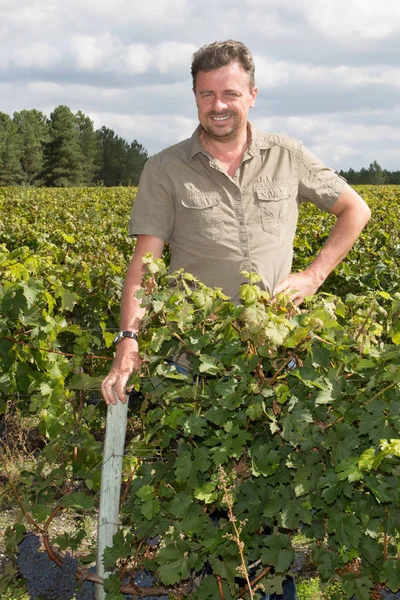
{"points": [[219, 104]]}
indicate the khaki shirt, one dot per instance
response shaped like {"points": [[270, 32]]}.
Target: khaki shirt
{"points": [[217, 225]]}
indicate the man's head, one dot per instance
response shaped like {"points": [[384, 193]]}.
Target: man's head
{"points": [[224, 90], [219, 54]]}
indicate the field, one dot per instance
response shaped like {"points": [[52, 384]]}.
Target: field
{"points": [[334, 420]]}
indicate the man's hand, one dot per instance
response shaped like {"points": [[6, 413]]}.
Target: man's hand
{"points": [[352, 215], [127, 357], [126, 361], [298, 286]]}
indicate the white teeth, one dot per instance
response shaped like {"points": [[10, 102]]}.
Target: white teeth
{"points": [[221, 118]]}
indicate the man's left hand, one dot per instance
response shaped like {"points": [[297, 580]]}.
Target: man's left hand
{"points": [[298, 286]]}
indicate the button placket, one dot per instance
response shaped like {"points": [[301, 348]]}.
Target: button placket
{"points": [[244, 239]]}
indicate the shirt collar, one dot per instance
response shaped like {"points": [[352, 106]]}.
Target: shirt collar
{"points": [[258, 141]]}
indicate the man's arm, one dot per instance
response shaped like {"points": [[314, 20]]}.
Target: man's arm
{"points": [[127, 357], [352, 215]]}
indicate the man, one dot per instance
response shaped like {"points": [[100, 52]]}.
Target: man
{"points": [[227, 200]]}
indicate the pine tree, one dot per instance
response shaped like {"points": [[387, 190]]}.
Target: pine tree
{"points": [[114, 151], [137, 156], [90, 147], [376, 176], [10, 152], [33, 130], [63, 154]]}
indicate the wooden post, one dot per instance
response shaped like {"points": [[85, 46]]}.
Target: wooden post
{"points": [[110, 489]]}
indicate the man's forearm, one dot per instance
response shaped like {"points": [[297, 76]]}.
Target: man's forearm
{"points": [[127, 357], [131, 310], [352, 216]]}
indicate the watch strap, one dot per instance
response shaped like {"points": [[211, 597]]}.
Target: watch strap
{"points": [[125, 334]]}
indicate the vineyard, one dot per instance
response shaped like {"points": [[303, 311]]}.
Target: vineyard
{"points": [[286, 423]]}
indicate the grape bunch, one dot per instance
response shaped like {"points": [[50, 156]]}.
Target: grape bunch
{"points": [[86, 592], [144, 579], [51, 582], [43, 577], [388, 595]]}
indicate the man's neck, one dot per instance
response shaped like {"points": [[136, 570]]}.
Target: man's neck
{"points": [[229, 153], [226, 150]]}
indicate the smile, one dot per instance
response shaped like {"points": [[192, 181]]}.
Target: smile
{"points": [[221, 118]]}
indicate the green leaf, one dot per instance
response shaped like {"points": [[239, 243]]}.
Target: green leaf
{"points": [[391, 574], [278, 553], [208, 364], [112, 585], [150, 508], [206, 493], [68, 299], [120, 549], [85, 382], [358, 587], [396, 338], [348, 469], [77, 500]]}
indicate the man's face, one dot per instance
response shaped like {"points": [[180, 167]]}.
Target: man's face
{"points": [[223, 99]]}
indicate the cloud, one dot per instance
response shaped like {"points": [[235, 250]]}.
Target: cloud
{"points": [[327, 72], [354, 20]]}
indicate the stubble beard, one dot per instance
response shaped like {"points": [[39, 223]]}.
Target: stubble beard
{"points": [[220, 135]]}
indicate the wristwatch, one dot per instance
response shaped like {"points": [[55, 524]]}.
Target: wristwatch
{"points": [[125, 334]]}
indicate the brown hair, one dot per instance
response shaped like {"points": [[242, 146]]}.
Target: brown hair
{"points": [[220, 54]]}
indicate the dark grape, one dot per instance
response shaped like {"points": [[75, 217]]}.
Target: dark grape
{"points": [[144, 579], [43, 577], [51, 582], [86, 591], [388, 595]]}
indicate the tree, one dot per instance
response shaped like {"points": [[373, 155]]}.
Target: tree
{"points": [[137, 156], [394, 177], [376, 175], [113, 158], [90, 148], [121, 163], [10, 152], [33, 131], [63, 154]]}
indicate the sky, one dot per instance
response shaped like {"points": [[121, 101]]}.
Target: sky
{"points": [[328, 71]]}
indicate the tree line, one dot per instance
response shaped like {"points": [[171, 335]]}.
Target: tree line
{"points": [[65, 150], [374, 175]]}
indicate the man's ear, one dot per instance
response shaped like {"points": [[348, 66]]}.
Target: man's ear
{"points": [[253, 97], [194, 93]]}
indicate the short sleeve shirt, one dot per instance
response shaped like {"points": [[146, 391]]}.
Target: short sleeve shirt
{"points": [[218, 226]]}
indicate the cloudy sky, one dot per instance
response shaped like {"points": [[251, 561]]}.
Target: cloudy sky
{"points": [[328, 71]]}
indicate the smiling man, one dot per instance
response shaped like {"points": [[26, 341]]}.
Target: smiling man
{"points": [[227, 200]]}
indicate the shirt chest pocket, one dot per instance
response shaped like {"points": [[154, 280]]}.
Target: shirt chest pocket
{"points": [[201, 212], [273, 204]]}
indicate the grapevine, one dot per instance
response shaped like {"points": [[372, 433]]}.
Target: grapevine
{"points": [[300, 408]]}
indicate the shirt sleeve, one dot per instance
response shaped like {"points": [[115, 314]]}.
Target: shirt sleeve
{"points": [[318, 184], [153, 209]]}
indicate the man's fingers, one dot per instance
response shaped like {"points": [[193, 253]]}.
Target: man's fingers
{"points": [[114, 385], [113, 389], [281, 287], [119, 391], [107, 389]]}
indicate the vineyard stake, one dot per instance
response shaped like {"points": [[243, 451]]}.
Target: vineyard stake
{"points": [[110, 488]]}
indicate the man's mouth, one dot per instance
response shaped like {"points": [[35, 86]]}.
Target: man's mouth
{"points": [[221, 118]]}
